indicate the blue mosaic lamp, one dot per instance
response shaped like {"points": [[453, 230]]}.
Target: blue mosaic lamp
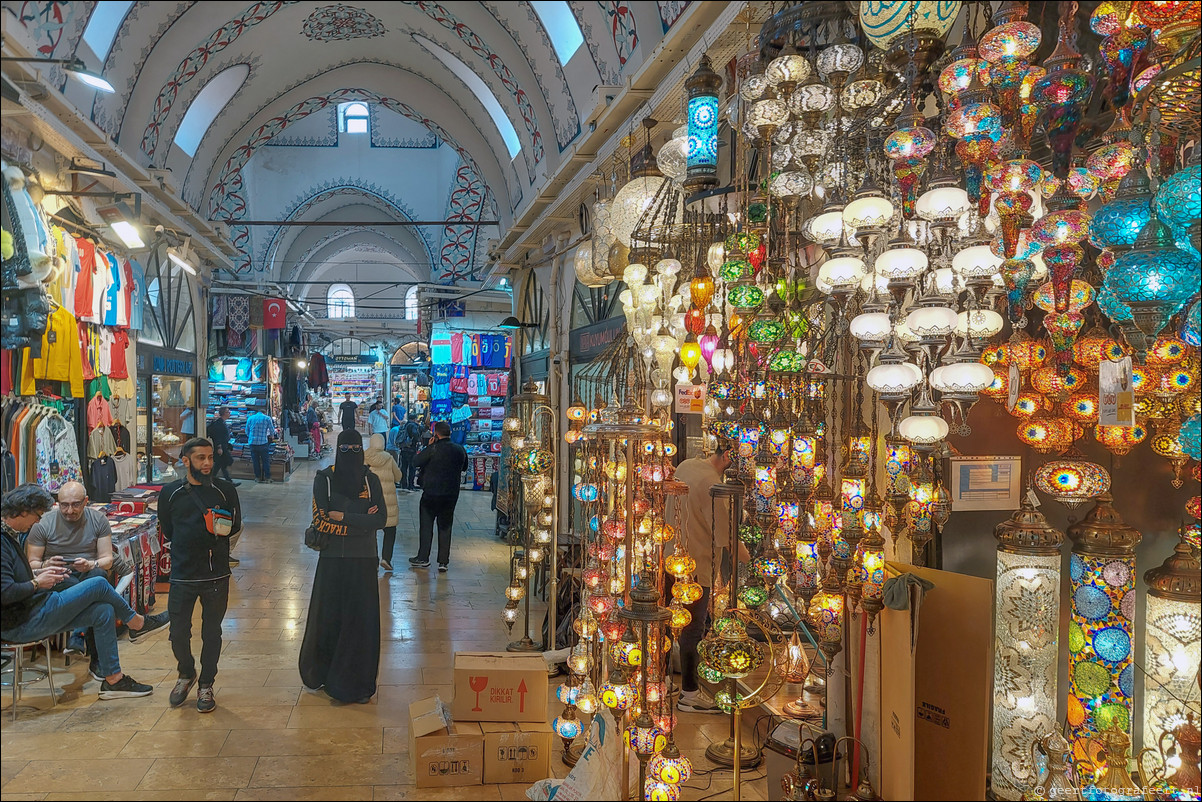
{"points": [[1155, 278], [1190, 438], [1118, 223], [1179, 205], [1191, 324], [703, 119]]}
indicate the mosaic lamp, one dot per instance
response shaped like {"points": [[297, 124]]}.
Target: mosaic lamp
{"points": [[1026, 626], [703, 118], [1155, 278], [1179, 205], [886, 21], [1072, 480], [1171, 657]]}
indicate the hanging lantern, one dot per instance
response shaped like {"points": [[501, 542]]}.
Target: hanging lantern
{"points": [[703, 118], [826, 616]]}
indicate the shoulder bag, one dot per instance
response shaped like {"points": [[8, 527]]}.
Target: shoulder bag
{"points": [[314, 537]]}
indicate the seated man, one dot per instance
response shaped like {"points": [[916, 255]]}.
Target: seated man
{"points": [[30, 612], [78, 538]]}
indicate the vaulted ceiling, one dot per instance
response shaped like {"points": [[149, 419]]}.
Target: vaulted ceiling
{"points": [[270, 76]]}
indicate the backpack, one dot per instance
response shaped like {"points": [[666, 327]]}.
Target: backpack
{"points": [[408, 438]]}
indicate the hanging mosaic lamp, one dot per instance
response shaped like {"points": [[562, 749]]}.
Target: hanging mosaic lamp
{"points": [[1072, 480], [703, 119], [1155, 278], [1063, 94]]}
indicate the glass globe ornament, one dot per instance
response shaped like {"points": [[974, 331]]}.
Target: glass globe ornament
{"points": [[1047, 433], [672, 157], [870, 209], [901, 261], [872, 329], [932, 321], [923, 430], [962, 378], [632, 202], [788, 70], [766, 115], [754, 87], [1119, 440], [862, 93], [827, 226], [979, 324], [842, 272], [795, 182], [1191, 324], [976, 262], [807, 142], [1072, 481], [1190, 437]]}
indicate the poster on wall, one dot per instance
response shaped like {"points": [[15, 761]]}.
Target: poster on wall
{"points": [[690, 399], [985, 483]]}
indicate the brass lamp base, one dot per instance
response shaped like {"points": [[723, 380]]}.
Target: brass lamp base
{"points": [[524, 645], [724, 754], [571, 754]]}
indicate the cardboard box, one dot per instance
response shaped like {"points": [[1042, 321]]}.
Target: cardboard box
{"points": [[500, 686], [516, 753], [443, 753]]}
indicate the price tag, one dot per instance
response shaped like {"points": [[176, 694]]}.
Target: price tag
{"points": [[1013, 386], [1034, 499], [1116, 393]]}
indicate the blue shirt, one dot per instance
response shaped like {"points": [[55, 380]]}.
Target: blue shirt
{"points": [[258, 428], [398, 414]]}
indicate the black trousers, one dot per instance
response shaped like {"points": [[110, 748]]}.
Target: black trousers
{"points": [[389, 544], [214, 597], [408, 472], [690, 637], [442, 509]]}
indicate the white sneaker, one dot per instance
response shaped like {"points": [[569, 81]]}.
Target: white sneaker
{"points": [[697, 701]]}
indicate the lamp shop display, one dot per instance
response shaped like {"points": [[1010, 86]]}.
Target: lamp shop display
{"points": [[911, 227]]}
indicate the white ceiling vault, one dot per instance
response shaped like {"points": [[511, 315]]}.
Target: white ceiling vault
{"points": [[274, 151]]}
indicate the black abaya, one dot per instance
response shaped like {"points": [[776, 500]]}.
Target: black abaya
{"points": [[341, 649]]}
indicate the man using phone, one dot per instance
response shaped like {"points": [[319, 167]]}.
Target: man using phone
{"points": [[79, 539], [198, 515], [29, 611]]}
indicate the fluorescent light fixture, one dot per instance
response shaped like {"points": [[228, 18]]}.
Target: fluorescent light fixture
{"points": [[128, 234], [121, 219], [76, 67], [182, 256]]}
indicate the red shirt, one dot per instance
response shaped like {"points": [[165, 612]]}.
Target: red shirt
{"points": [[84, 305], [117, 369]]}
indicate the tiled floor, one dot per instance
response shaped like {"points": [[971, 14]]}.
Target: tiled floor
{"points": [[268, 738]]}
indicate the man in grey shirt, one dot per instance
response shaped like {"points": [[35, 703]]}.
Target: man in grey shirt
{"points": [[76, 537]]}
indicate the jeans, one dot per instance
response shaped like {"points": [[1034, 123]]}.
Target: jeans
{"points": [[92, 604], [261, 458], [389, 544], [408, 472], [690, 637], [71, 580], [431, 508], [214, 596]]}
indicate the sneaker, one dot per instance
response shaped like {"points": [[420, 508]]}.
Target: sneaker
{"points": [[442, 568], [234, 560], [76, 645], [124, 688], [183, 687], [205, 703], [152, 623], [697, 701], [386, 565], [94, 672], [416, 563]]}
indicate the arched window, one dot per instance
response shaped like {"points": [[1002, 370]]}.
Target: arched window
{"points": [[479, 89], [340, 302], [353, 118], [207, 105], [411, 303], [103, 25], [561, 26]]}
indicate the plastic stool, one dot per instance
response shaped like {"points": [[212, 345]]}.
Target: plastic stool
{"points": [[17, 650]]}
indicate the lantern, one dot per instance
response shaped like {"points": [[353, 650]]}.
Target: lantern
{"points": [[703, 118]]}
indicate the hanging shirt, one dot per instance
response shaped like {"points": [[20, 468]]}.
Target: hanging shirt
{"points": [[475, 362], [99, 413], [459, 374], [104, 354], [457, 348], [137, 293], [114, 295], [57, 455], [127, 470], [61, 358], [101, 281], [117, 365], [84, 307]]}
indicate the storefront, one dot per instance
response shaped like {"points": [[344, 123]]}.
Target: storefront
{"points": [[167, 410]]}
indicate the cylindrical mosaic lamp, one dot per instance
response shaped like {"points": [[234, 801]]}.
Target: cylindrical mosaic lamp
{"points": [[1172, 655], [1101, 633], [1026, 630], [703, 86]]}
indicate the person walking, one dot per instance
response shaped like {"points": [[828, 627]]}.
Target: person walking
{"points": [[442, 464], [341, 648], [260, 431], [29, 611], [407, 442], [313, 423], [198, 515], [381, 463], [700, 474], [377, 419], [223, 452], [346, 412], [398, 413]]}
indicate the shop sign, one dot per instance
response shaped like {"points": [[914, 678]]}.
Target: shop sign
{"points": [[1116, 395], [589, 342], [352, 359], [159, 362], [690, 399]]}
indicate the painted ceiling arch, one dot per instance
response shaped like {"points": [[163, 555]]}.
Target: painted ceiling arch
{"points": [[307, 261], [317, 203]]}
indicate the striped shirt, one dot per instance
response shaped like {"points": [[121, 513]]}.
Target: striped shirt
{"points": [[258, 428]]}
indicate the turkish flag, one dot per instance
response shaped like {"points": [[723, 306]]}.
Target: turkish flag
{"points": [[275, 311]]}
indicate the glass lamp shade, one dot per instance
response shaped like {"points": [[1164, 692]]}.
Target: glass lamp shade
{"points": [[862, 94], [901, 263], [1154, 273], [943, 204], [1179, 205], [1061, 228], [632, 202], [872, 329], [1072, 481], [634, 275], [1172, 654], [976, 261], [1118, 223], [842, 271], [839, 60], [788, 70], [768, 113], [715, 255], [827, 226], [672, 157], [932, 321], [745, 297], [793, 183], [811, 98], [1119, 440], [754, 87], [1190, 437], [807, 142], [884, 22], [962, 377], [870, 211], [979, 324], [923, 430]]}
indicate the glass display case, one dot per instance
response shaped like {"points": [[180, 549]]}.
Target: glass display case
{"points": [[173, 421]]}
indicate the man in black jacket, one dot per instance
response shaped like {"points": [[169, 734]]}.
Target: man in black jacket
{"points": [[442, 464], [29, 611], [223, 453], [197, 516]]}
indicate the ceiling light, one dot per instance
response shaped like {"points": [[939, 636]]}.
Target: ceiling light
{"points": [[182, 256], [122, 220], [512, 322], [75, 67]]}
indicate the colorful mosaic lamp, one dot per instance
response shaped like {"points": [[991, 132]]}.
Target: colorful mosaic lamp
{"points": [[703, 118], [1072, 480], [1026, 626], [1101, 668], [1155, 278]]}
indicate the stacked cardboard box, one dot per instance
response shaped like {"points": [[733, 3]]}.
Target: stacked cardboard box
{"points": [[496, 730]]}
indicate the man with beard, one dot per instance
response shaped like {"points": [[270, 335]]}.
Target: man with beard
{"points": [[198, 515]]}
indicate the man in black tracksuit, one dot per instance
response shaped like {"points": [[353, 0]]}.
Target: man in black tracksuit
{"points": [[200, 566], [442, 464]]}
